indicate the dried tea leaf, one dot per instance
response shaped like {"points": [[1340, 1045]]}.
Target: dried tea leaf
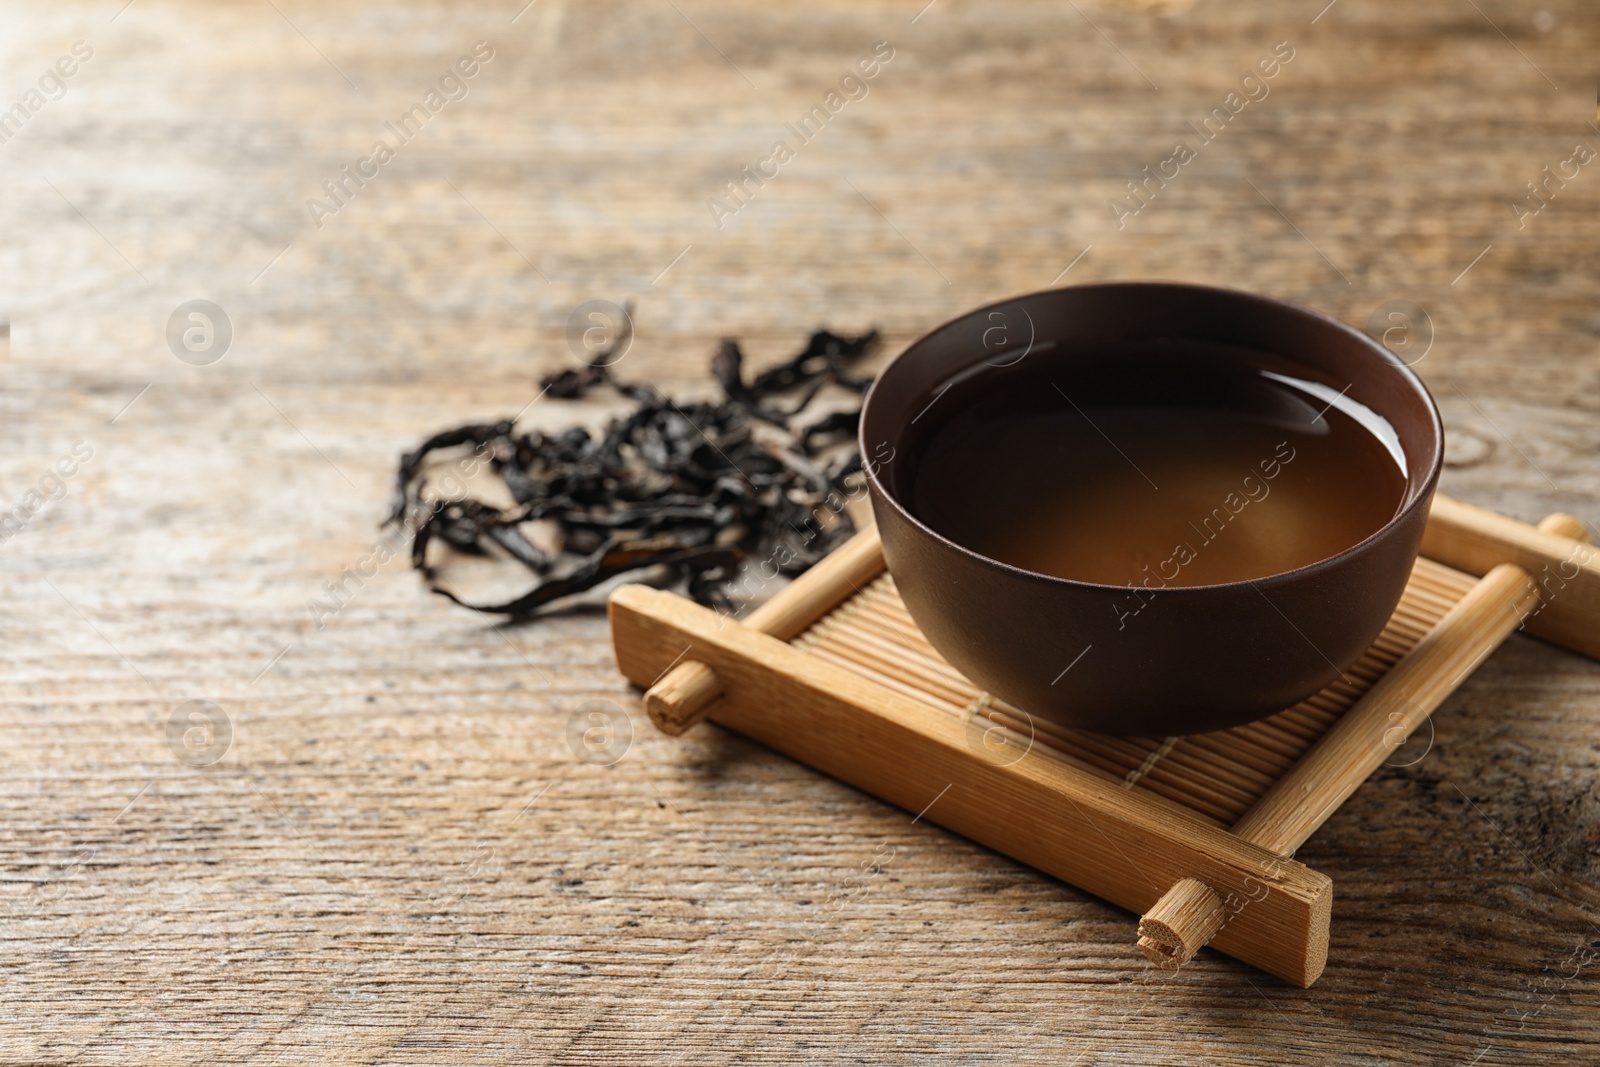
{"points": [[693, 490]]}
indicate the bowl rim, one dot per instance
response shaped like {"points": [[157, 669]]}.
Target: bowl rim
{"points": [[1422, 496]]}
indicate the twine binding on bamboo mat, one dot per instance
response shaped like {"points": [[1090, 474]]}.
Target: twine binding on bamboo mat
{"points": [[1149, 761], [979, 705]]}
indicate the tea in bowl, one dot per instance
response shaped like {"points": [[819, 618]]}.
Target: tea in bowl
{"points": [[1150, 509]]}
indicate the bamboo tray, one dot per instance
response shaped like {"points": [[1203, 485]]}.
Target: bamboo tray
{"points": [[1195, 833]]}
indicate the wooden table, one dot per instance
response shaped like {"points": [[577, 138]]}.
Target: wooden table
{"points": [[399, 855]]}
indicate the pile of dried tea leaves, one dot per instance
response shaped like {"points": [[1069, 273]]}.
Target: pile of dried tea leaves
{"points": [[687, 491]]}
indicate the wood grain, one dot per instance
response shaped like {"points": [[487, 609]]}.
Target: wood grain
{"points": [[411, 852]]}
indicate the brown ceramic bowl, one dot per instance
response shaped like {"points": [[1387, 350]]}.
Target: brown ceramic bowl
{"points": [[1201, 657]]}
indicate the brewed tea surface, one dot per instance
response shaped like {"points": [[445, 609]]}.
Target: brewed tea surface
{"points": [[1155, 465]]}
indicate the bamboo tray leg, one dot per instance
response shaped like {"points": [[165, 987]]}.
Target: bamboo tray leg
{"points": [[882, 738]]}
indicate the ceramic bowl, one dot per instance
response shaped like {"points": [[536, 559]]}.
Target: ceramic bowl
{"points": [[1197, 658]]}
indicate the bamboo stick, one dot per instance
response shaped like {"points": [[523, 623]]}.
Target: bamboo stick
{"points": [[1222, 745], [1190, 911], [1202, 764], [1560, 524], [686, 692], [1557, 556]]}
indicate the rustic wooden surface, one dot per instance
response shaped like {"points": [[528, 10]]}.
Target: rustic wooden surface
{"points": [[401, 857]]}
